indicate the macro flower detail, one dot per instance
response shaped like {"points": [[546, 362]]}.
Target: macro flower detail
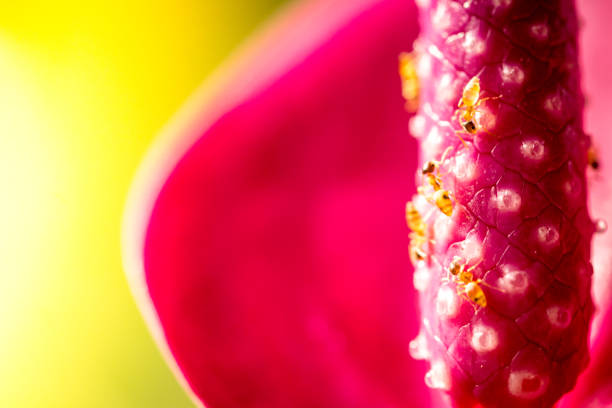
{"points": [[503, 266], [264, 238]]}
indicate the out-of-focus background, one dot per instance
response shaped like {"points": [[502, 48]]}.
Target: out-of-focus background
{"points": [[84, 88]]}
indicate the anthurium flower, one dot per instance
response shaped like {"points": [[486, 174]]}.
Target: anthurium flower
{"points": [[264, 238]]}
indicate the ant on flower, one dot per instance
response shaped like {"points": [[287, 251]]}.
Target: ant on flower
{"points": [[418, 234], [467, 108], [592, 158], [466, 285], [440, 197], [410, 80]]}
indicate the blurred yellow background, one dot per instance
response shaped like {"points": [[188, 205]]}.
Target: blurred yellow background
{"points": [[84, 88]]}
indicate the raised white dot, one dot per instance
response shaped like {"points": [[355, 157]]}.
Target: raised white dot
{"points": [[438, 377], [464, 168], [446, 89], [554, 104], [421, 204], [533, 149], [512, 73], [558, 316], [501, 3], [441, 18], [525, 384], [508, 200], [435, 51], [484, 117], [426, 324], [601, 226], [514, 282], [424, 66], [572, 186], [416, 125], [472, 249], [421, 278], [434, 137], [473, 44], [548, 234], [484, 338], [453, 42], [443, 226], [418, 348], [447, 303], [539, 31], [434, 143]]}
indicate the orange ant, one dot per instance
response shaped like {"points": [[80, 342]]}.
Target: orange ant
{"points": [[467, 107], [418, 236], [431, 170], [410, 80], [466, 284], [414, 220], [440, 197], [416, 251], [592, 158]]}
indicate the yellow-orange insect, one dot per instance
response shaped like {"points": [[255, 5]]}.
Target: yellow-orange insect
{"points": [[592, 158], [414, 220], [415, 249], [410, 80], [431, 171], [466, 285], [418, 235], [440, 197], [468, 106]]}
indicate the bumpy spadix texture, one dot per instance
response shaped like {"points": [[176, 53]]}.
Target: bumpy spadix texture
{"points": [[519, 191]]}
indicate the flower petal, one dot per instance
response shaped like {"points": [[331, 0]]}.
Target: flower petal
{"points": [[264, 238]]}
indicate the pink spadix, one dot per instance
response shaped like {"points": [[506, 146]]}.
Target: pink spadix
{"points": [[504, 281]]}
